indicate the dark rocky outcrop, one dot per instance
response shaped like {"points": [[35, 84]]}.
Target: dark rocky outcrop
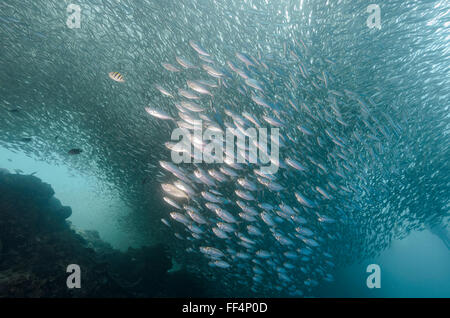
{"points": [[37, 244]]}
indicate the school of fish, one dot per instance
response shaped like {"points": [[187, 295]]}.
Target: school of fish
{"points": [[362, 114]]}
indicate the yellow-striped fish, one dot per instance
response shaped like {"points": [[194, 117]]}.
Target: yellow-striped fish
{"points": [[116, 76]]}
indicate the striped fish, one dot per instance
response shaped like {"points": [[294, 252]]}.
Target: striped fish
{"points": [[116, 76]]}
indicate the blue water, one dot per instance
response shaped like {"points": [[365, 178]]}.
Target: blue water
{"points": [[416, 266]]}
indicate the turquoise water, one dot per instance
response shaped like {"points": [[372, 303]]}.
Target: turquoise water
{"points": [[416, 266], [93, 207]]}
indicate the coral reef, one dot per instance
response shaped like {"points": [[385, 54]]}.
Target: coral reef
{"points": [[37, 244]]}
